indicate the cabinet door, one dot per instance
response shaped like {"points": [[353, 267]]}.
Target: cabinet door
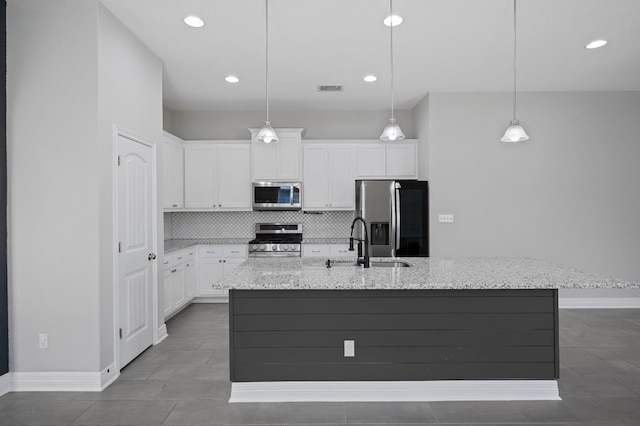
{"points": [[316, 190], [209, 273], [190, 280], [172, 175], [289, 156], [402, 160], [178, 287], [168, 285], [200, 163], [264, 162], [234, 177], [371, 161], [340, 177]]}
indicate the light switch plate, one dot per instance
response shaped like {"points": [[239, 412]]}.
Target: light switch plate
{"points": [[445, 218]]}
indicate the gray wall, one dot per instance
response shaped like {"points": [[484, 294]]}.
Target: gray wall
{"points": [[317, 124], [570, 194]]}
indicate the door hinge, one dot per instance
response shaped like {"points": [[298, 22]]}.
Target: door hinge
{"points": [[118, 160], [119, 246], [120, 332]]}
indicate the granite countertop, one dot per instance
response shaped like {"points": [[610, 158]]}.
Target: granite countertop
{"points": [[424, 273], [179, 244]]}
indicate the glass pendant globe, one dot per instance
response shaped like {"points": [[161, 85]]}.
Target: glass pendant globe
{"points": [[515, 133], [392, 132], [266, 134]]}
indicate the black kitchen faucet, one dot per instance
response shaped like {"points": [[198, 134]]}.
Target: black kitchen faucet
{"points": [[365, 261]]}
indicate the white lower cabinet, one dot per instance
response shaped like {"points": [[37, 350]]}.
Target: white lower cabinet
{"points": [[327, 250], [214, 263], [179, 280]]}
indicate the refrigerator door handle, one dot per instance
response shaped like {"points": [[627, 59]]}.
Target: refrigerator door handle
{"points": [[396, 217]]}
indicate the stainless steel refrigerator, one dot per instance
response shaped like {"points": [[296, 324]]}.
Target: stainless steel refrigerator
{"points": [[397, 216]]}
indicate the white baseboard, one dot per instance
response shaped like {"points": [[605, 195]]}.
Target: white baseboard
{"points": [[57, 381], [6, 383], [442, 390], [108, 376], [599, 302], [161, 334]]}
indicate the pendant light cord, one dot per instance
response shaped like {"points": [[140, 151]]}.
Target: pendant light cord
{"points": [[267, 55], [515, 53], [391, 50]]}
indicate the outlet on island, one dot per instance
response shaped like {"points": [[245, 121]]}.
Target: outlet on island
{"points": [[349, 348]]}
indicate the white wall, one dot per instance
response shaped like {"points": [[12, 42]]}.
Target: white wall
{"points": [[52, 191], [421, 132], [73, 72], [316, 124], [130, 96], [570, 194]]}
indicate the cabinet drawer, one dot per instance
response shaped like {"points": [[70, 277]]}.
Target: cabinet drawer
{"points": [[237, 251], [315, 250], [183, 256], [341, 250], [210, 251], [167, 261]]}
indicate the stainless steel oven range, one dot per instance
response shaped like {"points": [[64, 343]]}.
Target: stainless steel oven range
{"points": [[276, 240]]}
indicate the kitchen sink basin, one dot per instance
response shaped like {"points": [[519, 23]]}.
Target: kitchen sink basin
{"points": [[374, 264]]}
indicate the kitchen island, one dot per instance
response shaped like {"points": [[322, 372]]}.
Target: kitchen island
{"points": [[441, 329]]}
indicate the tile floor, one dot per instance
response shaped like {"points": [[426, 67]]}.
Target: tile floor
{"points": [[184, 381]]}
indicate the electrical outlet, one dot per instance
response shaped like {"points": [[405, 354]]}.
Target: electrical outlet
{"points": [[445, 218], [349, 348], [43, 341]]}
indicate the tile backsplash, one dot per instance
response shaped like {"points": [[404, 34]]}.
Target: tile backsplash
{"points": [[242, 224]]}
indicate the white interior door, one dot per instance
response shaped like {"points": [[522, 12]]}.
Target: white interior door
{"points": [[135, 266]]}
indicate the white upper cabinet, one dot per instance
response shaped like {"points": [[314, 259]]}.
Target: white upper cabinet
{"points": [[173, 172], [329, 177], [217, 176], [393, 160], [277, 161]]}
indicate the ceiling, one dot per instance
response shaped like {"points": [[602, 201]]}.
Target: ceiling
{"points": [[442, 46]]}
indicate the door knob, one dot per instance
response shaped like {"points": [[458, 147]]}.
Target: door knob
{"points": [[152, 256]]}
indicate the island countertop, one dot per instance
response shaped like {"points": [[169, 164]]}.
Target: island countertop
{"points": [[424, 273]]}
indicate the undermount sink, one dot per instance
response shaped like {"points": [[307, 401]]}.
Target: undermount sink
{"points": [[374, 264], [390, 264]]}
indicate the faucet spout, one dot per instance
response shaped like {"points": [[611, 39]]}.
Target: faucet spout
{"points": [[365, 261]]}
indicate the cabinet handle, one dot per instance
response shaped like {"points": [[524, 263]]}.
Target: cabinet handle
{"points": [[235, 251], [180, 258], [174, 205], [175, 270], [219, 205], [224, 261]]}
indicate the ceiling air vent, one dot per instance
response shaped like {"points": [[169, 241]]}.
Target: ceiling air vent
{"points": [[331, 88]]}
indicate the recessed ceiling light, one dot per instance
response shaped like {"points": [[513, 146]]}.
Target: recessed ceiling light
{"points": [[394, 20], [194, 21], [232, 79], [595, 44], [370, 78]]}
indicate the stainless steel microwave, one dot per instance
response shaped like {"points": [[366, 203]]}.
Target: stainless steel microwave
{"points": [[277, 195]]}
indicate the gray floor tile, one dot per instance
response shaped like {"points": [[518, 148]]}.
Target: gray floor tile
{"points": [[476, 411], [182, 373], [388, 412], [180, 344], [214, 344], [176, 357], [126, 390], [194, 390], [300, 413], [43, 412], [211, 413], [126, 413], [138, 370], [26, 396], [567, 410], [593, 386], [627, 409]]}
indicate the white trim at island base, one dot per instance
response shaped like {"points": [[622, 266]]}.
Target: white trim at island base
{"points": [[439, 390]]}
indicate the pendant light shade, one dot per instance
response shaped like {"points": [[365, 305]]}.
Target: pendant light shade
{"points": [[266, 134], [515, 132], [392, 131]]}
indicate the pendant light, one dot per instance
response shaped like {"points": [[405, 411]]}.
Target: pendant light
{"points": [[391, 132], [515, 132], [266, 134]]}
